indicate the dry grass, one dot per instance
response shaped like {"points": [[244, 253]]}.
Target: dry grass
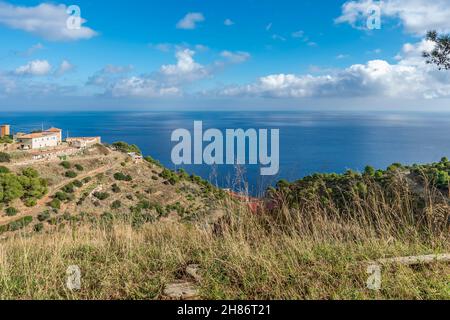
{"points": [[316, 252]]}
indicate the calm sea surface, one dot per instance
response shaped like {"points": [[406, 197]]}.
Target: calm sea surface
{"points": [[309, 141]]}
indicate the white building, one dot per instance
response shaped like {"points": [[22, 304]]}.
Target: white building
{"points": [[46, 139]]}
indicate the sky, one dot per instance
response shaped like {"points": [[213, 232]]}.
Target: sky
{"points": [[215, 55]]}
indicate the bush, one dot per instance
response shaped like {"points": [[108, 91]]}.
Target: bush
{"points": [[77, 183], [69, 188], [79, 167], [55, 204], [122, 177], [126, 148], [62, 196], [44, 216], [71, 174], [116, 204], [10, 212], [38, 227], [65, 164], [4, 157], [115, 188], [4, 170], [30, 202], [101, 195], [87, 180], [20, 224]]}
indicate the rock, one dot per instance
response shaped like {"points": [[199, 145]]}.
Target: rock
{"points": [[181, 291], [193, 271]]}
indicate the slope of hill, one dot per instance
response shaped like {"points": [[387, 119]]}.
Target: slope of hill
{"points": [[136, 230]]}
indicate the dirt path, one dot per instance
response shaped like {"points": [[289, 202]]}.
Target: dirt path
{"points": [[48, 197]]}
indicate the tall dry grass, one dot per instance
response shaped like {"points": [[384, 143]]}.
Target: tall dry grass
{"points": [[314, 252]]}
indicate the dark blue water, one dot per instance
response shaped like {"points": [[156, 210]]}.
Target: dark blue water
{"points": [[309, 141]]}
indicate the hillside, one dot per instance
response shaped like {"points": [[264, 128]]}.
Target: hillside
{"points": [[139, 231]]}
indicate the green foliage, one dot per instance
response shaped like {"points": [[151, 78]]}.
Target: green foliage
{"points": [[55, 204], [44, 216], [116, 205], [4, 170], [369, 171], [20, 224], [119, 176], [71, 174], [126, 148], [4, 157], [77, 183], [440, 55], [6, 139], [11, 211], [115, 188], [79, 167], [65, 164], [27, 186], [153, 161], [101, 195], [38, 227], [62, 196]]}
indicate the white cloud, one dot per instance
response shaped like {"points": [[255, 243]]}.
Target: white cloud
{"points": [[228, 22], [190, 21], [342, 56], [44, 20], [186, 69], [168, 81], [141, 87], [34, 68], [298, 34], [64, 67], [410, 78], [235, 57], [109, 74], [417, 16]]}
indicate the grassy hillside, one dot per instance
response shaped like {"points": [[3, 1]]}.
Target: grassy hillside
{"points": [[134, 229]]}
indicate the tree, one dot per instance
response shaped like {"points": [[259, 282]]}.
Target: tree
{"points": [[440, 55]]}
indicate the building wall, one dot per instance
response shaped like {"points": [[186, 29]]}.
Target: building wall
{"points": [[39, 143], [5, 130]]}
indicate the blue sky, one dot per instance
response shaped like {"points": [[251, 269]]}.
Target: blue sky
{"points": [[220, 54]]}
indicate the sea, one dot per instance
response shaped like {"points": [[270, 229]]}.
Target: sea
{"points": [[310, 141]]}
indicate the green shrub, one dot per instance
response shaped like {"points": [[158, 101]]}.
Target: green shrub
{"points": [[55, 204], [62, 196], [4, 170], [122, 177], [126, 148], [20, 224], [115, 188], [71, 174], [69, 188], [87, 180], [44, 216], [65, 164], [101, 195], [38, 227], [10, 212], [79, 167], [4, 157], [30, 202], [77, 183], [116, 204]]}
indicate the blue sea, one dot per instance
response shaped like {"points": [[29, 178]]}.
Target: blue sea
{"points": [[309, 141]]}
